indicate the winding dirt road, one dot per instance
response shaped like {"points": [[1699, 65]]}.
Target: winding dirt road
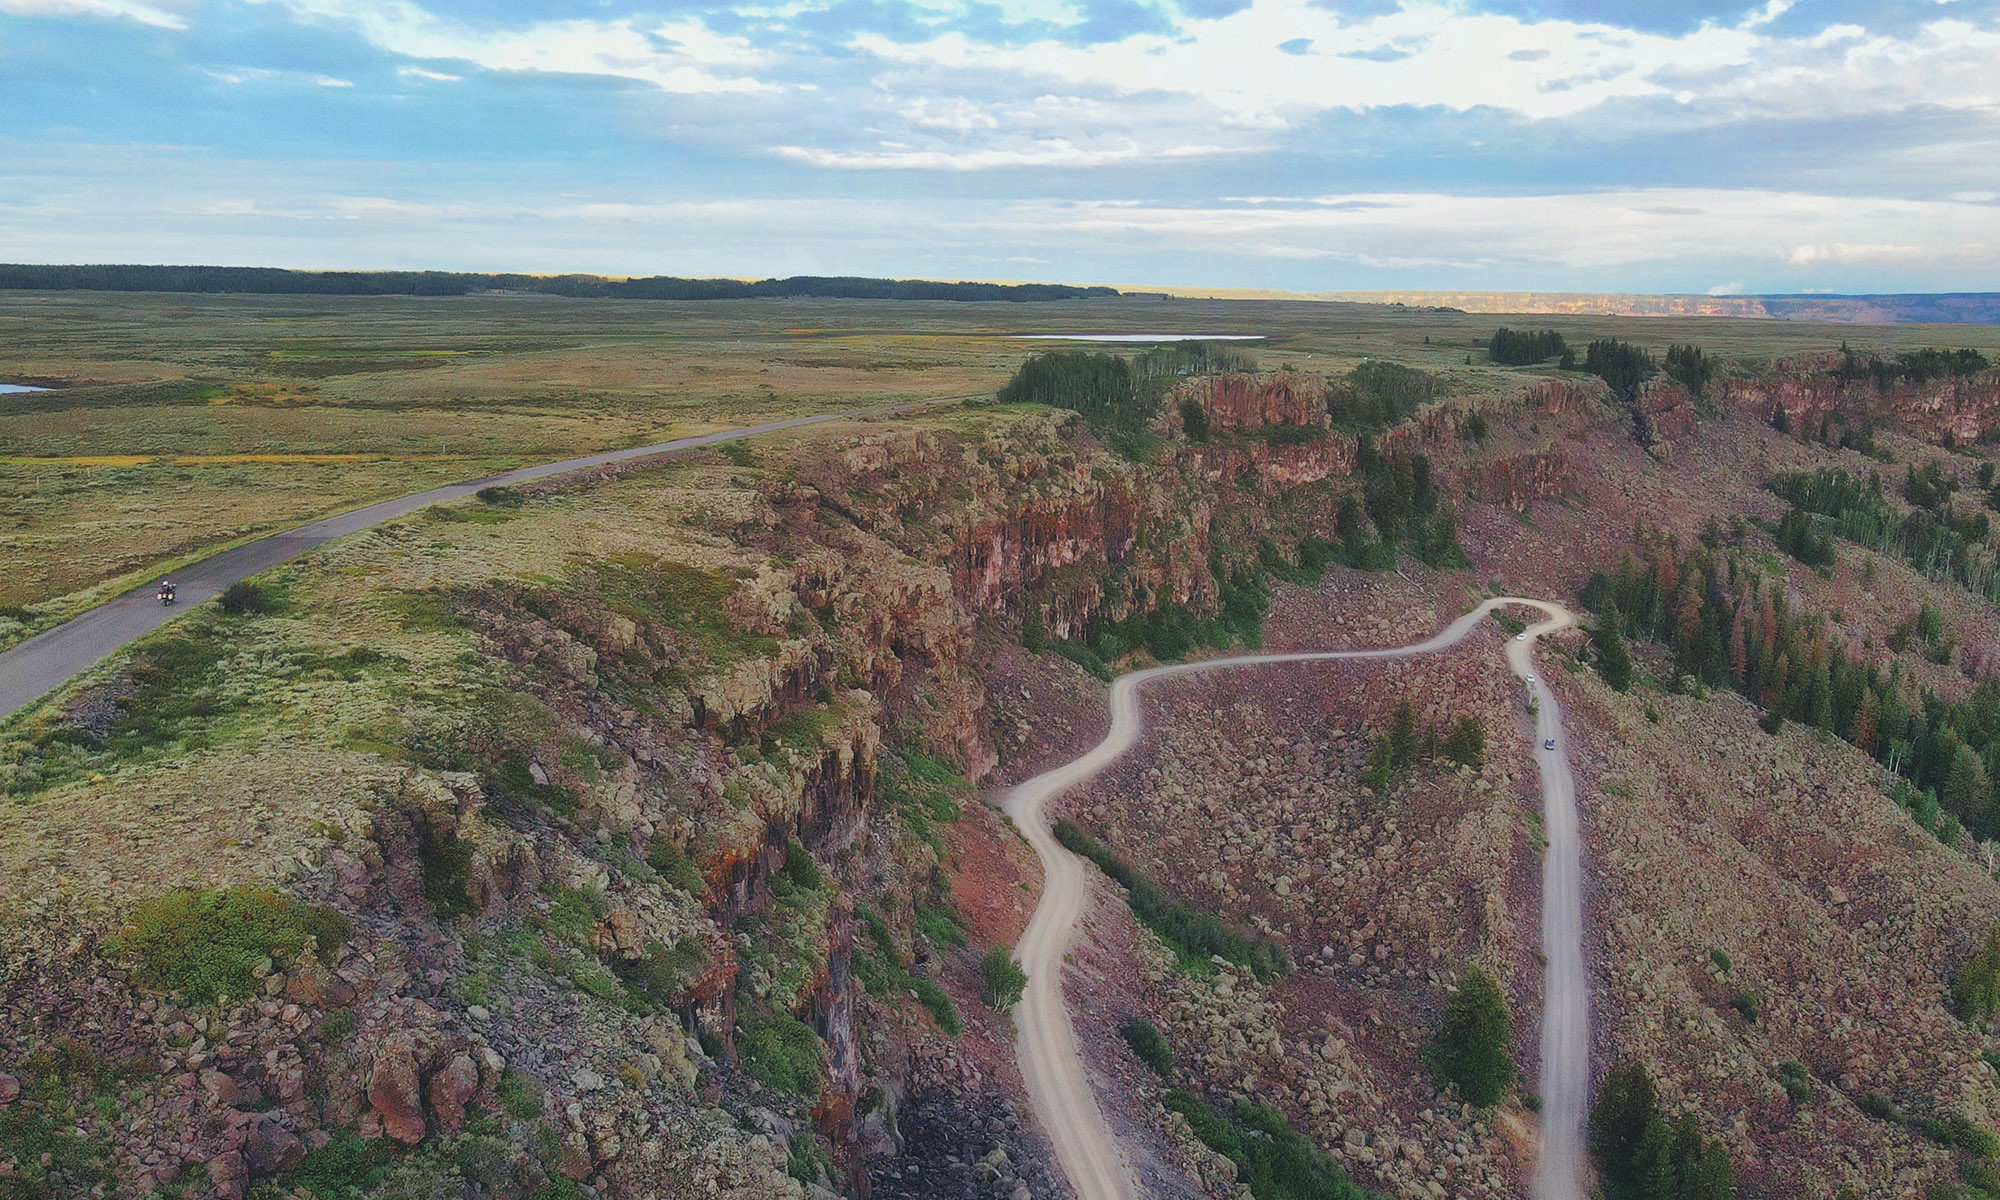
{"points": [[1059, 1088], [39, 665]]}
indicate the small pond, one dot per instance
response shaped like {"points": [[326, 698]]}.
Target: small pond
{"points": [[12, 388]]}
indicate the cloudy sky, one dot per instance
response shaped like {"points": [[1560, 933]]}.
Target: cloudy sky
{"points": [[1619, 145]]}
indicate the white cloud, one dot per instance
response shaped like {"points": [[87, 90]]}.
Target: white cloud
{"points": [[675, 56], [1054, 153], [160, 15], [1734, 288]]}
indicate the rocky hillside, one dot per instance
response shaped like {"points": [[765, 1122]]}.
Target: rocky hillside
{"points": [[621, 837]]}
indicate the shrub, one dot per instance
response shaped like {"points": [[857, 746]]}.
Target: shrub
{"points": [[1194, 936], [500, 497], [941, 924], [1745, 1004], [1975, 987], [1474, 1048], [244, 599], [207, 944], [1194, 419], [675, 868], [447, 864], [1878, 1106], [1465, 743], [1270, 1156], [345, 1166], [782, 1052], [520, 1096], [1797, 1081], [1001, 978], [1149, 1046], [1720, 958], [937, 1002]]}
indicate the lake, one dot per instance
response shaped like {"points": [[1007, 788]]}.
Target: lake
{"points": [[7, 388]]}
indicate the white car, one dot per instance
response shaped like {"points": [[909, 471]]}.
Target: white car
{"points": [[1520, 637], [1548, 743], [1527, 679]]}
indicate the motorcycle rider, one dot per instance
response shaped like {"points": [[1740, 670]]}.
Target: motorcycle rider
{"points": [[166, 591]]}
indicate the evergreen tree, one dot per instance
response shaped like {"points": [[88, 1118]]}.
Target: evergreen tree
{"points": [[1618, 1124], [1975, 988], [1968, 792], [1402, 735], [1474, 1049], [1465, 743], [1613, 661]]}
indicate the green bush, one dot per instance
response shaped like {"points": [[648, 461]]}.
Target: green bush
{"points": [[1475, 1046], [447, 864], [1001, 978], [1975, 987], [1149, 1046], [519, 1095], [1797, 1081], [937, 1002], [675, 868], [941, 924], [1746, 1006], [244, 599], [782, 1052], [1878, 1106], [207, 944], [1270, 1156], [345, 1167], [1194, 936], [1465, 742]]}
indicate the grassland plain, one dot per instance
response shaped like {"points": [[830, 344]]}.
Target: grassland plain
{"points": [[177, 417]]}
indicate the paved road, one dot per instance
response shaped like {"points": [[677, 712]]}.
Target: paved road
{"points": [[1059, 1088], [43, 663]]}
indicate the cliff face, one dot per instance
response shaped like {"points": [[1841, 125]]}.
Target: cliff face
{"points": [[1959, 410]]}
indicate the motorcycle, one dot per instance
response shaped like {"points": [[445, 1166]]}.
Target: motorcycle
{"points": [[166, 596]]}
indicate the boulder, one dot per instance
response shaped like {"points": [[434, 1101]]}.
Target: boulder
{"points": [[451, 1089], [394, 1093]]}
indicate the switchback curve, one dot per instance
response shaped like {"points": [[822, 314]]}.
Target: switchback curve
{"points": [[1059, 1088]]}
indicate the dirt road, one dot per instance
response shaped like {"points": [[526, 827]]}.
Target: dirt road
{"points": [[43, 663], [1059, 1088]]}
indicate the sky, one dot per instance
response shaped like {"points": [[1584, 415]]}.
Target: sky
{"points": [[1310, 145]]}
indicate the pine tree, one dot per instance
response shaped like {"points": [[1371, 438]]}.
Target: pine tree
{"points": [[1403, 735], [1474, 1049], [1968, 792], [1465, 744], [1618, 1123], [1614, 663]]}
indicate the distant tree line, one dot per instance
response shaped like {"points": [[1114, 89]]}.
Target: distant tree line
{"points": [[1519, 348], [1375, 395], [1691, 368], [1621, 364], [281, 281], [1727, 624], [1117, 395], [1916, 367]]}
